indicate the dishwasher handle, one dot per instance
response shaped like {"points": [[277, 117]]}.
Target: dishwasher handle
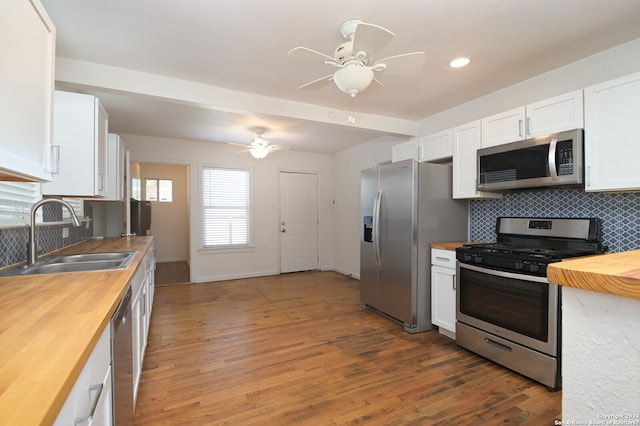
{"points": [[121, 316]]}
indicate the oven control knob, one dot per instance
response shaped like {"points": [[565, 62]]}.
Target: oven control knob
{"points": [[519, 266], [477, 258], [533, 267], [467, 257]]}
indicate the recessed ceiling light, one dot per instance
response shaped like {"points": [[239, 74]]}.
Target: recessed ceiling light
{"points": [[459, 62]]}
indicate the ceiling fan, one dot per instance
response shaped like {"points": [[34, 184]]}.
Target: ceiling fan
{"points": [[260, 147], [354, 59]]}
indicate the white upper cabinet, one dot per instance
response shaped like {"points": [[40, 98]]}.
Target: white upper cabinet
{"points": [[612, 135], [503, 128], [557, 114], [466, 141], [404, 151], [435, 147], [27, 47], [79, 163], [115, 168]]}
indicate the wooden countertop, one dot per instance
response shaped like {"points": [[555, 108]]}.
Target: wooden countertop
{"points": [[615, 273], [49, 325], [450, 246]]}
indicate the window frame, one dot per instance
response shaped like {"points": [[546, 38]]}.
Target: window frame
{"points": [[157, 180], [225, 247]]}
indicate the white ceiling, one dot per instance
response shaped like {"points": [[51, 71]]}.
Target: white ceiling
{"points": [[242, 45]]}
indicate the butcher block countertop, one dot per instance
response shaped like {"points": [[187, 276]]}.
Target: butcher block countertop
{"points": [[49, 325], [615, 273], [449, 246]]}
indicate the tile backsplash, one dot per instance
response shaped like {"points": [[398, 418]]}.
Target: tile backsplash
{"points": [[14, 241], [619, 212]]}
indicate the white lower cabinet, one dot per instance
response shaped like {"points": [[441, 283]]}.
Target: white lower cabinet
{"points": [[443, 290], [142, 290], [138, 313], [91, 398]]}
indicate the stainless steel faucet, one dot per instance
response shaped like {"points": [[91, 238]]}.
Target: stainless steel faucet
{"points": [[33, 250]]}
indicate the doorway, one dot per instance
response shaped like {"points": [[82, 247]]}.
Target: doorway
{"points": [[298, 222], [169, 219]]}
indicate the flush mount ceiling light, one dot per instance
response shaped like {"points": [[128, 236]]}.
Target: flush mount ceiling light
{"points": [[354, 59], [459, 62]]}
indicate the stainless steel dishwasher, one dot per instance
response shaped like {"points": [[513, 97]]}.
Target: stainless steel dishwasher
{"points": [[122, 362]]}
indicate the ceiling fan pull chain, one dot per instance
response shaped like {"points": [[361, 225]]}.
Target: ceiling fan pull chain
{"points": [[351, 119]]}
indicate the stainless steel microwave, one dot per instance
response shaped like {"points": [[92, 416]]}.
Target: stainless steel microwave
{"points": [[544, 161]]}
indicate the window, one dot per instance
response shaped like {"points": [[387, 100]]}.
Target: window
{"points": [[78, 208], [225, 204], [16, 199], [158, 190]]}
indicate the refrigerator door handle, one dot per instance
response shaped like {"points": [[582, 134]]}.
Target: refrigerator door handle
{"points": [[376, 228]]}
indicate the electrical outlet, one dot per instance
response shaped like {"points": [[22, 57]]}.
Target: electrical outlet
{"points": [[65, 232]]}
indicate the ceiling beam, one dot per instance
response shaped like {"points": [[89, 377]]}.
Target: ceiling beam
{"points": [[93, 76]]}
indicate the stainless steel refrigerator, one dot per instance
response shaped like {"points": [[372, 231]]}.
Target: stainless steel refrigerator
{"points": [[405, 206]]}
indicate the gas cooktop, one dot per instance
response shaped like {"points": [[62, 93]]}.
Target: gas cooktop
{"points": [[528, 245]]}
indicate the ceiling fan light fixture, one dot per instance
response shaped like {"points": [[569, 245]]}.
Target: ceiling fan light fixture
{"points": [[259, 151], [353, 79]]}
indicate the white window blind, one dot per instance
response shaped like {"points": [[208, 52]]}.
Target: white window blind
{"points": [[78, 208], [225, 203], [16, 199]]}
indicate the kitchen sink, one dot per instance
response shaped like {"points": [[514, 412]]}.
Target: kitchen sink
{"points": [[93, 257], [74, 263]]}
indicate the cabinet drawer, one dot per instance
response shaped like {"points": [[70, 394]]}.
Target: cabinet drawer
{"points": [[446, 258]]}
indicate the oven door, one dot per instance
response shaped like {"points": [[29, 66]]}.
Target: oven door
{"points": [[517, 307]]}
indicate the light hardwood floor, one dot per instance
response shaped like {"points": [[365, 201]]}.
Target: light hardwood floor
{"points": [[171, 273], [296, 349]]}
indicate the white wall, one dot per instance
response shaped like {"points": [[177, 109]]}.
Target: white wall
{"points": [[263, 257], [600, 358], [169, 221]]}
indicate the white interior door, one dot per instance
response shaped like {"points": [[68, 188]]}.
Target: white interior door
{"points": [[298, 222]]}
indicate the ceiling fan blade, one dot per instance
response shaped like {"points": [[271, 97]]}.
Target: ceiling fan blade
{"points": [[308, 54], [279, 147], [373, 88], [319, 83], [370, 38], [405, 64]]}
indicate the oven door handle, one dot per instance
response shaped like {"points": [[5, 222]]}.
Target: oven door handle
{"points": [[523, 277]]}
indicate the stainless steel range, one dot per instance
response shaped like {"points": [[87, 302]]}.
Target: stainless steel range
{"points": [[507, 311]]}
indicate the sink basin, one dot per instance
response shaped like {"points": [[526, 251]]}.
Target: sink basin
{"points": [[93, 257], [74, 263]]}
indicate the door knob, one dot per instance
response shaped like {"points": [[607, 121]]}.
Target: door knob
{"points": [[283, 230]]}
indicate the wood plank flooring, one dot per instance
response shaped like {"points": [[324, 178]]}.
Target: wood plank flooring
{"points": [[171, 273], [296, 349]]}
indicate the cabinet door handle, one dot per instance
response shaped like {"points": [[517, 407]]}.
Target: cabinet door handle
{"points": [[520, 128], [94, 405], [55, 159], [446, 259]]}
